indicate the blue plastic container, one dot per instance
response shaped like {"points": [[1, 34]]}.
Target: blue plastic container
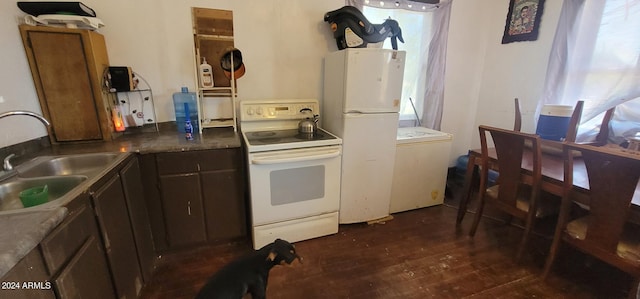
{"points": [[554, 122], [461, 170], [185, 106]]}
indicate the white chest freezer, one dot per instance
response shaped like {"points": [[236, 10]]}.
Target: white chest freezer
{"points": [[420, 171]]}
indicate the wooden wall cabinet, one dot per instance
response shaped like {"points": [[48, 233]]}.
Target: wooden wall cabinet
{"points": [[197, 197], [67, 66]]}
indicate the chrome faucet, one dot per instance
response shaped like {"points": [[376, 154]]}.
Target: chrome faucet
{"points": [[7, 163], [27, 113]]}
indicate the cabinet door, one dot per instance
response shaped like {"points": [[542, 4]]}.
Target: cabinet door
{"points": [[224, 204], [59, 246], [132, 184], [153, 199], [73, 254], [62, 70], [29, 269], [117, 236], [79, 278], [182, 206]]}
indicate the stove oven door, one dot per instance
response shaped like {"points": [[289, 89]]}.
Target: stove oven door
{"points": [[293, 184]]}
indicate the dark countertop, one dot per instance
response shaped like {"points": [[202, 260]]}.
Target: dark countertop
{"points": [[24, 231], [155, 142]]}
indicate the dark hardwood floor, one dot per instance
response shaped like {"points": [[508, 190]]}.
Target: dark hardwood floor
{"points": [[418, 254]]}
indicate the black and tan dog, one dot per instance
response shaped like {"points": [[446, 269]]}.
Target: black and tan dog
{"points": [[248, 274]]}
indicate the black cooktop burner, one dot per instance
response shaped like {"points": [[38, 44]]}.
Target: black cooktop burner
{"points": [[284, 136], [265, 133]]}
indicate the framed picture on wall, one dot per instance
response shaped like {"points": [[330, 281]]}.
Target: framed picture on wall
{"points": [[523, 21]]}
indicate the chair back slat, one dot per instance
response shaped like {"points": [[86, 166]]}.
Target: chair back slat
{"points": [[516, 193], [609, 173], [509, 146], [574, 122], [517, 123]]}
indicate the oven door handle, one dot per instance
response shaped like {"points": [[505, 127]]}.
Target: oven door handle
{"points": [[297, 157]]}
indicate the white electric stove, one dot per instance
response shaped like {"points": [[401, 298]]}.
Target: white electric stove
{"points": [[294, 178]]}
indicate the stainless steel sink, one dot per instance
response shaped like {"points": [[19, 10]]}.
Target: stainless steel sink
{"points": [[82, 164], [66, 176], [58, 186]]}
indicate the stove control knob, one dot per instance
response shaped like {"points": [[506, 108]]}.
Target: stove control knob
{"points": [[259, 111], [250, 111]]}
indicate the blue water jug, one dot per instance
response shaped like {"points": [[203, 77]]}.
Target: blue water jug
{"points": [[186, 107]]}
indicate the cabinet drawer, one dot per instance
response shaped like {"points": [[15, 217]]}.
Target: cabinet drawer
{"points": [[195, 161], [65, 240]]}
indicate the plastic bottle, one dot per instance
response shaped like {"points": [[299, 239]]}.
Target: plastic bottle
{"points": [[206, 74], [188, 129], [188, 111]]}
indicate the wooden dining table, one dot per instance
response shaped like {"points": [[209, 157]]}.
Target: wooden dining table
{"points": [[552, 176]]}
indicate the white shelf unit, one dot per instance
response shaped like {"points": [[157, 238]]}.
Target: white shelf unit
{"points": [[217, 105], [213, 35], [217, 97]]}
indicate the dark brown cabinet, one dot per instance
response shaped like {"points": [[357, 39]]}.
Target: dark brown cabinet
{"points": [[184, 214], [80, 280], [100, 250], [134, 194], [223, 204], [117, 236], [67, 67], [196, 197], [74, 256], [30, 269], [69, 263]]}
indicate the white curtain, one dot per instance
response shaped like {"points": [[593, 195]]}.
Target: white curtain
{"points": [[429, 101], [595, 57]]}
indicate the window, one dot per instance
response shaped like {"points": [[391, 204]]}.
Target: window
{"points": [[425, 28], [416, 30], [596, 58]]}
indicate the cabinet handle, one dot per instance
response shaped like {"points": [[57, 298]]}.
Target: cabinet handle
{"points": [[189, 207], [198, 165]]}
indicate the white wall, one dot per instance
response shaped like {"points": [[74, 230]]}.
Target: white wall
{"points": [[483, 76], [283, 42], [16, 86]]}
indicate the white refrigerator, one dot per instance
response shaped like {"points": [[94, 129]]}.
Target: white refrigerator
{"points": [[362, 89]]}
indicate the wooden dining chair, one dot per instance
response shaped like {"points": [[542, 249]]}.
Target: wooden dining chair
{"points": [[548, 147], [574, 122], [517, 123], [515, 193], [603, 134], [605, 231]]}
